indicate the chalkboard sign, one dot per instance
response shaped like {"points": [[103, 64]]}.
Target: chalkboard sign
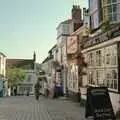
{"points": [[98, 104]]}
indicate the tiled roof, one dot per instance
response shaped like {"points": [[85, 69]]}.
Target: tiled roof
{"points": [[20, 63], [2, 54]]}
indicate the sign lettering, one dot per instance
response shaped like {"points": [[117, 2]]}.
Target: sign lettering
{"points": [[98, 104]]}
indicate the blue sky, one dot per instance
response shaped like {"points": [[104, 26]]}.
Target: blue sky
{"points": [[30, 25]]}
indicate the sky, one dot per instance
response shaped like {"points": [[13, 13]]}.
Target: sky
{"points": [[30, 25]]}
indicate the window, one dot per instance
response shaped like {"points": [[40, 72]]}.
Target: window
{"points": [[90, 78], [108, 76], [114, 8], [115, 84], [111, 84], [113, 1], [110, 9], [29, 78], [91, 59], [114, 74], [110, 16], [109, 1], [112, 79], [114, 17], [100, 76], [111, 55], [97, 76], [73, 84], [98, 58], [108, 59]]}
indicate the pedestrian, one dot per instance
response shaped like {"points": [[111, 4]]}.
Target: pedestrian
{"points": [[37, 90], [67, 93], [79, 95], [47, 90], [9, 91], [15, 91], [28, 93]]}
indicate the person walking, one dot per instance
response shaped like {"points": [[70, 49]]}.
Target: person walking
{"points": [[37, 90], [15, 91], [46, 89]]}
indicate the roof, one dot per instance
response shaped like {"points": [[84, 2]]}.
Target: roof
{"points": [[82, 28], [20, 63], [52, 48], [2, 54], [47, 59], [65, 22]]}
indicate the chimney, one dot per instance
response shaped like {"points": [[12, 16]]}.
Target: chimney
{"points": [[76, 17], [84, 13], [76, 12]]}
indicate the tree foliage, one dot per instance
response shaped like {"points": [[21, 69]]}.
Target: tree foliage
{"points": [[15, 76]]}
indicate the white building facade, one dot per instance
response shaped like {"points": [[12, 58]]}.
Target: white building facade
{"points": [[28, 84], [63, 31], [49, 66], [3, 80], [102, 57]]}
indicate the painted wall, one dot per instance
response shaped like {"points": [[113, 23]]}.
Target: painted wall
{"points": [[2, 65], [115, 99], [3, 72]]}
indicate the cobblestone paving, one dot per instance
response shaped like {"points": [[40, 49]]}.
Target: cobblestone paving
{"points": [[64, 110], [22, 108], [27, 108]]}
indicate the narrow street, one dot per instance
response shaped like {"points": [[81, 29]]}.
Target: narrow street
{"points": [[27, 108]]}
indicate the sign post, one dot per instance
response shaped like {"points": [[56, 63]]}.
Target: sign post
{"points": [[98, 104]]}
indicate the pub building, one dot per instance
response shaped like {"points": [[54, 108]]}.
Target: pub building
{"points": [[74, 60], [102, 54]]}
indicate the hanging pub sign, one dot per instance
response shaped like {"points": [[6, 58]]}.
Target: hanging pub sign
{"points": [[98, 104]]}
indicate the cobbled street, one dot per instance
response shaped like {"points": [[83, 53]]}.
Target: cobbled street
{"points": [[27, 108]]}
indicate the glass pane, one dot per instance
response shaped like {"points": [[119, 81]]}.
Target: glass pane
{"points": [[108, 83], [115, 84], [109, 1], [110, 17], [111, 84], [110, 8], [114, 17], [113, 1], [114, 8], [114, 74]]}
